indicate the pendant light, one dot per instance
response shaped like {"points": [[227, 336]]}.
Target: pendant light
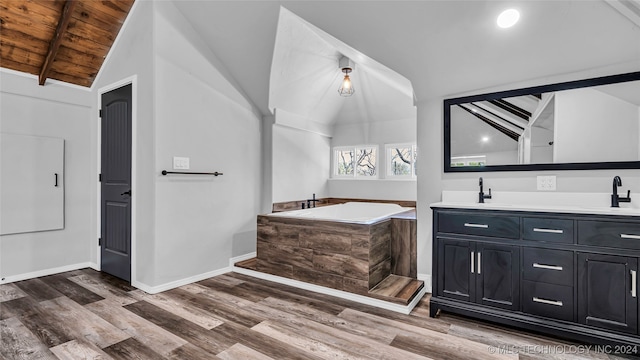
{"points": [[346, 87]]}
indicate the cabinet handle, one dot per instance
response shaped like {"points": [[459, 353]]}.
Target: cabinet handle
{"points": [[56, 176], [633, 283], [548, 267], [553, 231], [473, 254], [629, 236], [479, 254], [548, 302], [476, 225]]}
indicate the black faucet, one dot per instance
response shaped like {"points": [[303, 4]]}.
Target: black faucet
{"points": [[314, 201], [481, 195], [615, 198]]}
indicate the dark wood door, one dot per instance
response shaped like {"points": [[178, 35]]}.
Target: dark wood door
{"points": [[456, 279], [607, 298], [497, 275], [116, 183]]}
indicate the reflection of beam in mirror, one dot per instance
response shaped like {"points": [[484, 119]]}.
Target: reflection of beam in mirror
{"points": [[513, 109], [489, 107], [494, 123]]}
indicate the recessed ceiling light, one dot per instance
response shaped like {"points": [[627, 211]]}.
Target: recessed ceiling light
{"points": [[508, 18], [485, 139]]}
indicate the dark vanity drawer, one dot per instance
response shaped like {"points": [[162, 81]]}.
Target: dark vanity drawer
{"points": [[610, 234], [548, 300], [553, 230], [548, 265], [484, 225]]}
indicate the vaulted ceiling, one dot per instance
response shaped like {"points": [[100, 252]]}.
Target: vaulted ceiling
{"points": [[66, 40], [443, 47]]}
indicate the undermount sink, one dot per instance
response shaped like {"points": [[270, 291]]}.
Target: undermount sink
{"points": [[585, 203], [495, 205], [613, 210]]}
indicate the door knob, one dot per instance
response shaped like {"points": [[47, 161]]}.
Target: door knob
{"points": [[126, 193]]}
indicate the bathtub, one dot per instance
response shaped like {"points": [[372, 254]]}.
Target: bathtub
{"points": [[351, 212], [345, 247]]}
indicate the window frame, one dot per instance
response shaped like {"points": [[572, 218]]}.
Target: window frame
{"points": [[388, 173], [354, 148], [465, 159]]}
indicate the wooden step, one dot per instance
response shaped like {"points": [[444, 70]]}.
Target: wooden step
{"points": [[397, 289], [394, 288], [251, 264]]}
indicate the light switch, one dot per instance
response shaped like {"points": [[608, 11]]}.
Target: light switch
{"points": [[180, 163], [547, 183]]}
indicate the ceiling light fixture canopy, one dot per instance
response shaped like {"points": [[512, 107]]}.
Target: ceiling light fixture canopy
{"points": [[346, 87]]}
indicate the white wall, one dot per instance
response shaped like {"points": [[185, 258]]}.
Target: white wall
{"points": [[432, 180], [502, 157], [595, 127], [201, 221], [300, 164], [267, 164], [375, 133], [60, 111], [132, 55]]}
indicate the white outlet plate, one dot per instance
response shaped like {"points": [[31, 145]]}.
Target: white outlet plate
{"points": [[180, 163], [546, 183]]}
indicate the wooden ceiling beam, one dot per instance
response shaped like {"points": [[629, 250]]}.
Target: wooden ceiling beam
{"points": [[54, 45]]}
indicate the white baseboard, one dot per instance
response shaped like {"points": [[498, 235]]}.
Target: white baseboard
{"points": [[427, 281], [174, 284], [404, 309], [46, 272], [244, 257]]}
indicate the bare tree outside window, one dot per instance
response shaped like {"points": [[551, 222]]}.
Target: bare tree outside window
{"points": [[355, 161], [400, 161], [366, 160], [344, 162]]}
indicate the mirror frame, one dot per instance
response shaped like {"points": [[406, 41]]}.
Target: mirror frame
{"points": [[605, 80]]}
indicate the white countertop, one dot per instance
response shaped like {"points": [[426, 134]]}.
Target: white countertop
{"points": [[571, 203]]}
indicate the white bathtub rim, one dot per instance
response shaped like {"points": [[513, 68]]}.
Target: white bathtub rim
{"points": [[299, 214]]}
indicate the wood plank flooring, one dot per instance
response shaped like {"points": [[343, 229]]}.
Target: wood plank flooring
{"points": [[85, 314]]}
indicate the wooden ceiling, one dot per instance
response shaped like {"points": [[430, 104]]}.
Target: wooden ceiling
{"points": [[66, 40]]}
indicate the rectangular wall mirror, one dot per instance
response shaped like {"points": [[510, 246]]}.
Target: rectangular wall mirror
{"points": [[585, 124]]}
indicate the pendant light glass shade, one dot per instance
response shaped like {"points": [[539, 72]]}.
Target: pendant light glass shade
{"points": [[346, 88]]}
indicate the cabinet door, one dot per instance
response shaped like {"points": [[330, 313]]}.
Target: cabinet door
{"points": [[607, 298], [497, 278], [455, 273]]}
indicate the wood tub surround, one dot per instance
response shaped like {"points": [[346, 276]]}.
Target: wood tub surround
{"points": [[297, 204], [356, 258]]}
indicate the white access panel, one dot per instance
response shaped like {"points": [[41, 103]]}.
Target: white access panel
{"points": [[31, 183]]}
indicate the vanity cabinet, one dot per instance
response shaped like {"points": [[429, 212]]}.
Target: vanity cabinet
{"points": [[607, 289], [567, 275], [480, 272]]}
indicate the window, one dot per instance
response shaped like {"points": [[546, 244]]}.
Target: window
{"points": [[476, 160], [356, 161], [401, 160]]}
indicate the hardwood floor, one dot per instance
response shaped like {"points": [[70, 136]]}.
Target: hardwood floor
{"points": [[85, 314]]}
